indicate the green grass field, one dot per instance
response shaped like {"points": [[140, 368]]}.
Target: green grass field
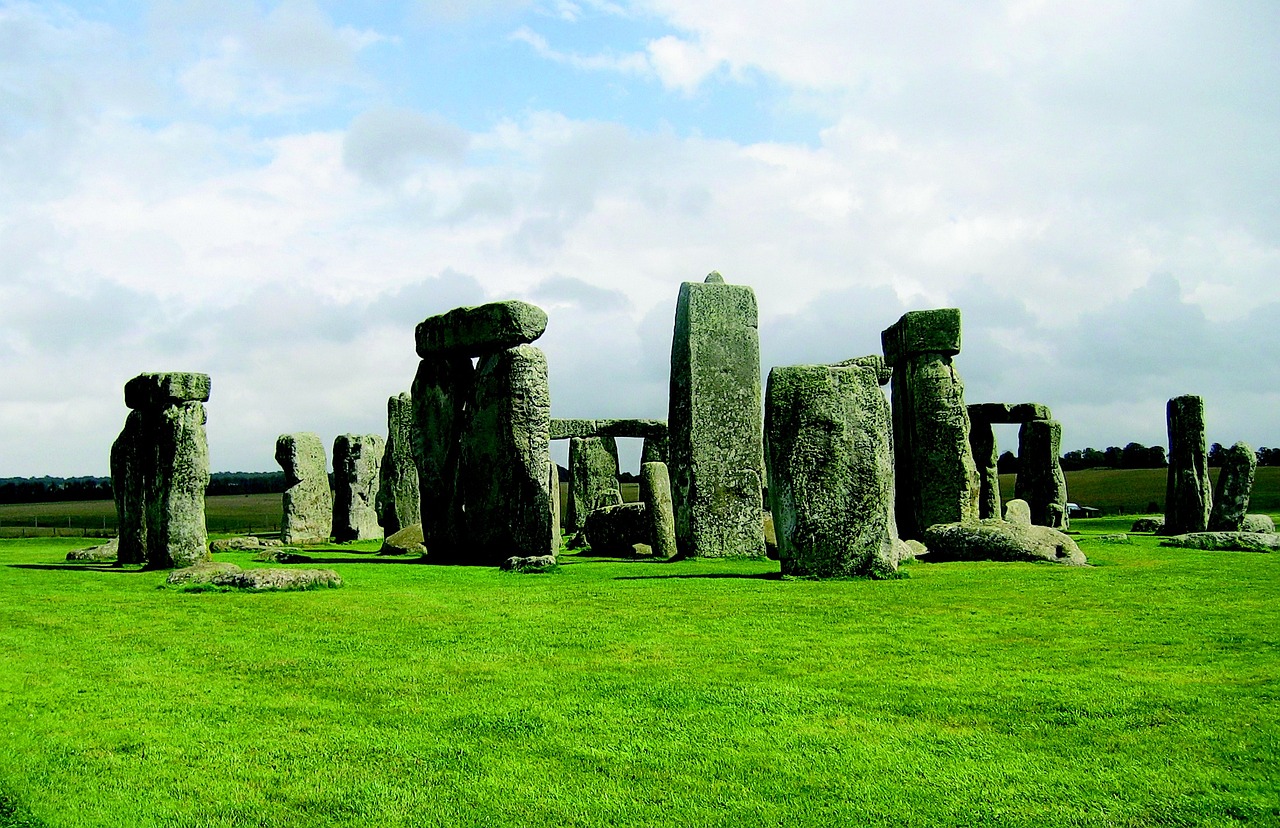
{"points": [[1141, 691]]}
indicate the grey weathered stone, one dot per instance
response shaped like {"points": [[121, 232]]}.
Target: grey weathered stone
{"points": [[982, 442], [397, 503], [480, 330], [284, 555], [1225, 541], [103, 553], [655, 494], [1018, 512], [936, 479], [175, 487], [1009, 412], [243, 543], [131, 455], [1188, 499], [230, 576], [504, 458], [716, 441], [996, 540], [442, 392], [593, 470], [529, 563], [307, 501], [1115, 537], [161, 390], [357, 459], [1040, 480], [1147, 524], [1259, 524], [553, 491], [563, 429], [614, 530], [875, 362], [830, 462], [1235, 485], [407, 541]]}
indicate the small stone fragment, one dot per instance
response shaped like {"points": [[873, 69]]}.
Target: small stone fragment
{"points": [[480, 330], [1148, 524], [408, 541], [357, 459], [282, 555], [1018, 512], [1117, 537], [530, 563], [1258, 524], [104, 553]]}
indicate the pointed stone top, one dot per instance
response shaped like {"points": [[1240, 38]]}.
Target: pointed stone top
{"points": [[714, 278], [159, 390]]}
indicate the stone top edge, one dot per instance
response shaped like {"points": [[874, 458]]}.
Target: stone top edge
{"points": [[565, 428], [160, 389], [934, 331]]}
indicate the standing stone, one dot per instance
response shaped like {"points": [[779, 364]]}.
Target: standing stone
{"points": [[553, 487], [1235, 485], [441, 397], [1040, 481], [830, 459], [982, 442], [127, 464], [936, 479], [593, 470], [715, 419], [356, 462], [1188, 499], [655, 494], [505, 453], [307, 499], [397, 503]]}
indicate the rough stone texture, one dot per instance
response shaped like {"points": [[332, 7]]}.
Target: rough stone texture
{"points": [[656, 449], [1259, 524], [1009, 412], [397, 502], [174, 489], [442, 392], [911, 549], [1147, 524], [480, 330], [407, 541], [1018, 512], [1235, 485], [165, 389], [982, 442], [614, 530], [127, 473], [715, 419], [104, 553], [995, 540], [936, 479], [1188, 499], [229, 576], [1117, 537], [530, 563], [830, 462], [1040, 480], [243, 543], [655, 494], [504, 459], [616, 427], [553, 490], [357, 459], [307, 499], [875, 362], [593, 470], [282, 555], [1225, 541]]}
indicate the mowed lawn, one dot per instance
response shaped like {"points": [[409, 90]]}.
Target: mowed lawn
{"points": [[1141, 691]]}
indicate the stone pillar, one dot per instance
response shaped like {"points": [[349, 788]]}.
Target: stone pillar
{"points": [[441, 395], [1235, 486], [162, 461], [593, 472], [553, 489], [982, 442], [715, 421], [307, 501], [397, 503], [936, 479], [830, 458], [1040, 480], [357, 459], [1188, 499], [655, 494]]}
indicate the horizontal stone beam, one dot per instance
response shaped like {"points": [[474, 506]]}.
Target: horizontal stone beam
{"points": [[922, 332], [565, 428], [1009, 412], [160, 390], [479, 330]]}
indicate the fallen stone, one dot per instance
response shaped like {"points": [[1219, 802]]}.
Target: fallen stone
{"points": [[1148, 524], [307, 501], [408, 541], [397, 500], [613, 530], [911, 549], [1225, 541], [1018, 512], [1118, 537], [357, 460], [1258, 524], [103, 553], [655, 494], [229, 576], [480, 330], [1188, 498], [993, 540], [282, 555], [530, 563], [1235, 486], [243, 543]]}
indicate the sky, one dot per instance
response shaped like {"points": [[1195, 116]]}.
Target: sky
{"points": [[277, 193]]}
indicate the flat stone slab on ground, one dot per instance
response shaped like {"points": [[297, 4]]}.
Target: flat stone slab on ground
{"points": [[229, 576], [243, 543], [996, 540], [529, 563], [103, 553], [1225, 541], [408, 541], [481, 329]]}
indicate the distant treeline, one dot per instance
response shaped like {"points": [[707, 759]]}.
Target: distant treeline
{"points": [[1132, 456], [53, 489]]}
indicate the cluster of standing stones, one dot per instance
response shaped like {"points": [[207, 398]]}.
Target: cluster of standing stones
{"points": [[854, 482]]}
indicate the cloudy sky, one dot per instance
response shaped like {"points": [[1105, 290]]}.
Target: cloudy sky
{"points": [[275, 195]]}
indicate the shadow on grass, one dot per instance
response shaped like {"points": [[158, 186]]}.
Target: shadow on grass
{"points": [[72, 566], [752, 576]]}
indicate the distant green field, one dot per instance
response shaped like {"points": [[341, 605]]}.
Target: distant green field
{"points": [[1132, 491]]}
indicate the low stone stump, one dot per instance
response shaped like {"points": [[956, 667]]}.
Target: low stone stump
{"points": [[614, 530], [529, 563], [408, 541], [1017, 511], [1225, 541], [996, 540], [105, 553], [283, 555], [1258, 524], [1115, 537], [243, 543], [228, 576], [1148, 524]]}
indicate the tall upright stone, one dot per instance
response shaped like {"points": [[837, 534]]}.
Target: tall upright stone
{"points": [[307, 501], [593, 471], [982, 442], [1040, 481], [1188, 498], [936, 479], [397, 503], [357, 459], [655, 494], [553, 488], [715, 421], [505, 452], [441, 400], [1235, 487], [831, 476], [162, 462]]}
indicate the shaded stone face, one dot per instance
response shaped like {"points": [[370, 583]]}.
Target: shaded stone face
{"points": [[442, 393], [593, 471], [553, 490], [615, 530], [922, 332], [165, 389], [1235, 486], [1040, 480], [307, 500], [655, 494], [1188, 499], [397, 502], [830, 460], [357, 459], [480, 330], [715, 420], [127, 482], [982, 442]]}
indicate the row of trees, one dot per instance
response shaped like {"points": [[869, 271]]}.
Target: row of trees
{"points": [[51, 489], [1132, 456]]}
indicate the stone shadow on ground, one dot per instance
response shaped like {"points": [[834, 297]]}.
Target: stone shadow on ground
{"points": [[72, 566], [756, 576]]}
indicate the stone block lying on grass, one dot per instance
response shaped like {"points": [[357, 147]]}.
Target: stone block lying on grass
{"points": [[230, 576], [106, 553], [282, 555], [1148, 524], [408, 541], [613, 530], [996, 540], [530, 563], [1225, 541], [1258, 524], [243, 543], [1117, 537]]}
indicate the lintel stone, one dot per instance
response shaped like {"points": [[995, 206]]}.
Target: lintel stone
{"points": [[480, 329], [563, 429], [157, 390], [922, 332], [1009, 412]]}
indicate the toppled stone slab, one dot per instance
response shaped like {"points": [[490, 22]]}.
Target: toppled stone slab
{"points": [[1115, 537], [229, 576], [282, 555], [104, 553], [408, 541], [996, 540], [922, 332], [480, 330], [1225, 541], [1148, 524], [909, 550], [529, 563], [160, 390], [614, 530], [307, 502], [1009, 412], [1235, 487], [1258, 524], [243, 543]]}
